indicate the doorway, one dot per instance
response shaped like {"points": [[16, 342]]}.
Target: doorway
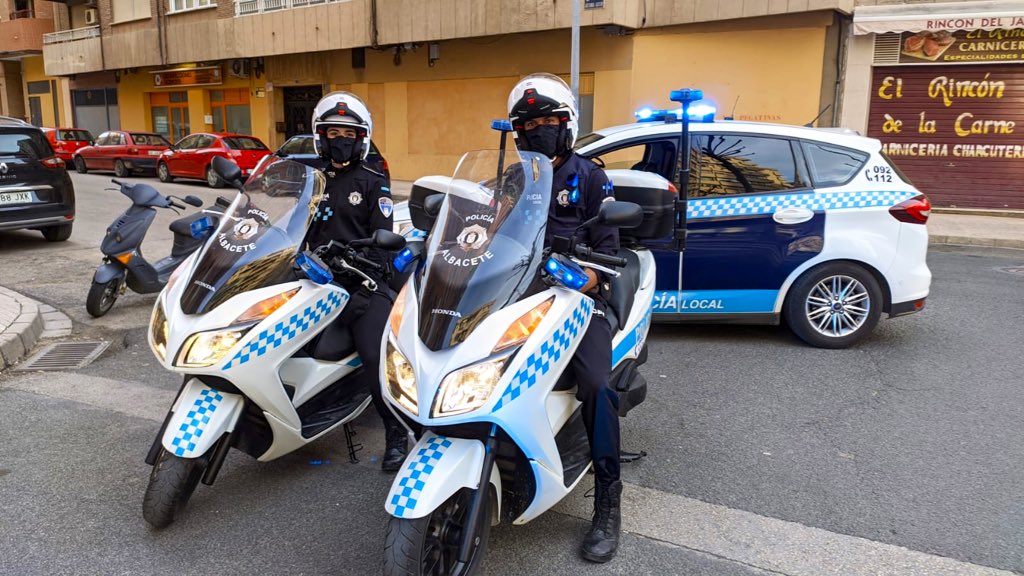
{"points": [[170, 114], [299, 102]]}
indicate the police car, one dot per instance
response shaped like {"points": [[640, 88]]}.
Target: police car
{"points": [[815, 227]]}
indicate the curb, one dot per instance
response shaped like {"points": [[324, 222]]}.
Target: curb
{"points": [[1014, 243], [1000, 213], [23, 322]]}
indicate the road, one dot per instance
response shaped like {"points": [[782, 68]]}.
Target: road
{"points": [[901, 456]]}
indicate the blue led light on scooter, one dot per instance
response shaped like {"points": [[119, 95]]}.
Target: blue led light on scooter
{"points": [[314, 270], [403, 259], [568, 274], [501, 125], [201, 227]]}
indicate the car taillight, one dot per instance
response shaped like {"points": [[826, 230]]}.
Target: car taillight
{"points": [[913, 211], [53, 162], [384, 164]]}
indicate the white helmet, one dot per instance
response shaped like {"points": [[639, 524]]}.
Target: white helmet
{"points": [[341, 109], [539, 95]]}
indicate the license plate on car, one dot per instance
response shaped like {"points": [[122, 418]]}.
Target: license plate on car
{"points": [[15, 198], [154, 152]]}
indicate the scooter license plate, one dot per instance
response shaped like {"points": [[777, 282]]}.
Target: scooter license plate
{"points": [[15, 198]]}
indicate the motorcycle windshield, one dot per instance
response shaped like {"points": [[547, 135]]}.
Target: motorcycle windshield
{"points": [[257, 238], [485, 247]]}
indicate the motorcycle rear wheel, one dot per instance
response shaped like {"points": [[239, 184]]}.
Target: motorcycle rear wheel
{"points": [[171, 484], [429, 546], [102, 296]]}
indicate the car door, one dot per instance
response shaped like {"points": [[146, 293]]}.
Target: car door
{"points": [[92, 155], [118, 148], [205, 149], [177, 158], [750, 223]]}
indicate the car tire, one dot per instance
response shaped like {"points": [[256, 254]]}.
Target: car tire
{"points": [[834, 305], [164, 173], [80, 166], [120, 170], [212, 180], [57, 233]]}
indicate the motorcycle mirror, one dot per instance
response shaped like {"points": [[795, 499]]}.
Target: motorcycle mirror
{"points": [[432, 204], [227, 170], [192, 200], [388, 240], [620, 214]]}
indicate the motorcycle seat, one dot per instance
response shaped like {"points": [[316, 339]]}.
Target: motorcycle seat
{"points": [[623, 289]]}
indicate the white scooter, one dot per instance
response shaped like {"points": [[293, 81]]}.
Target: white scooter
{"points": [[476, 354], [240, 319]]}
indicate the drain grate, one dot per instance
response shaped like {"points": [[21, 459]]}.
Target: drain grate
{"points": [[64, 356], [1018, 270]]}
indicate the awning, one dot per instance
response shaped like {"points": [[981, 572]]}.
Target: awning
{"points": [[986, 15]]}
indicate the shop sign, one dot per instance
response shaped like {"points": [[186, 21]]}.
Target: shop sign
{"points": [[203, 76], [591, 4], [962, 46]]}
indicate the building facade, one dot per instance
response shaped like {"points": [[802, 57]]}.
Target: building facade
{"points": [[434, 72], [941, 85], [26, 92]]}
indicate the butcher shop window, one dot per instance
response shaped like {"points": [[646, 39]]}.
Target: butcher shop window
{"points": [[729, 164], [832, 165]]}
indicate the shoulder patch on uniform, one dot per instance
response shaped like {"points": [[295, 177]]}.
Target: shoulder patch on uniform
{"points": [[370, 170], [386, 206], [609, 191]]}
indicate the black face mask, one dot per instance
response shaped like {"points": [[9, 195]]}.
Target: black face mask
{"points": [[342, 149], [544, 140]]}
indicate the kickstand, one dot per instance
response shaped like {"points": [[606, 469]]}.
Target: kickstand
{"points": [[629, 457], [353, 447]]}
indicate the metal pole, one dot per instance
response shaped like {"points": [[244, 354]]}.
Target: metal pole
{"points": [[575, 66]]}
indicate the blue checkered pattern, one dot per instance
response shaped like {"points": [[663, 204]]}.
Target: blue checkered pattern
{"points": [[539, 363], [415, 234], [198, 417], [769, 204], [285, 330], [324, 215], [414, 479]]}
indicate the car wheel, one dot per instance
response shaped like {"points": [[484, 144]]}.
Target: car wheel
{"points": [[834, 305], [80, 166], [120, 170], [57, 233], [212, 180], [163, 173]]}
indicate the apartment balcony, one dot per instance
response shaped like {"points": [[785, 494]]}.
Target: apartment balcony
{"points": [[23, 33], [246, 7], [74, 51]]}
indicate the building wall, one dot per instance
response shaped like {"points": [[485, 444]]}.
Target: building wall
{"points": [[54, 105]]}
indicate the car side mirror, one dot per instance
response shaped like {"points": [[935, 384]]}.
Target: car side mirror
{"points": [[228, 171], [432, 204], [92, 142], [620, 214], [193, 200], [388, 240], [281, 154]]}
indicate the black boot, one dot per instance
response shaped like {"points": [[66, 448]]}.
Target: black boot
{"points": [[397, 445], [602, 540]]}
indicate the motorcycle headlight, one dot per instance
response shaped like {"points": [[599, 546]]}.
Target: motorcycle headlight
{"points": [[468, 388], [401, 379], [159, 330], [207, 348]]}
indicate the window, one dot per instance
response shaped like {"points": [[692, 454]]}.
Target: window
{"points": [[117, 139], [741, 164], [30, 143], [832, 165], [127, 10], [239, 143], [654, 156], [230, 110], [297, 145], [74, 135], [149, 140], [188, 143], [180, 5], [205, 141], [170, 114], [39, 87]]}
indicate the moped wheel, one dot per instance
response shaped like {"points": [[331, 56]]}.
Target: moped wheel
{"points": [[429, 546], [171, 484], [102, 296]]}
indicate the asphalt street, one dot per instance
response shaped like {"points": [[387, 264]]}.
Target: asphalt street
{"points": [[765, 456]]}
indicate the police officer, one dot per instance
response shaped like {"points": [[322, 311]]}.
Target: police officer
{"points": [[544, 117], [356, 202]]}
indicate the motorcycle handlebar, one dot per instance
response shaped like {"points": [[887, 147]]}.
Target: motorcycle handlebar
{"points": [[366, 262], [587, 253], [178, 205]]}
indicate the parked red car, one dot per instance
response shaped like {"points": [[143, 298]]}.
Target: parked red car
{"points": [[66, 141], [191, 156], [123, 152]]}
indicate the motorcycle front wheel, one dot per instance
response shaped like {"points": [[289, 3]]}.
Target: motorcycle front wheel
{"points": [[102, 296], [171, 483], [429, 546]]}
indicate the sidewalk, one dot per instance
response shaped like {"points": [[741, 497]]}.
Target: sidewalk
{"points": [[23, 321]]}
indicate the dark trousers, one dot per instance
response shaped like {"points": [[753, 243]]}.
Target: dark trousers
{"points": [[367, 331], [592, 365]]}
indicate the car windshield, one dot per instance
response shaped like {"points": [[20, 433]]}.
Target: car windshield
{"points": [[74, 135], [587, 140], [149, 140], [28, 142], [244, 143], [486, 245], [257, 239]]}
